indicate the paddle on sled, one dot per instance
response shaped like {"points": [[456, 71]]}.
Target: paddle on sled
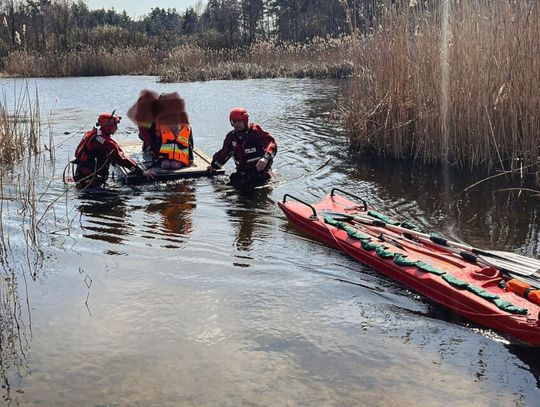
{"points": [[510, 262]]}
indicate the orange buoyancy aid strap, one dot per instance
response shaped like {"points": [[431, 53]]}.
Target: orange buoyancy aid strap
{"points": [[184, 135], [85, 141], [173, 152], [517, 286], [534, 296], [175, 134], [524, 290]]}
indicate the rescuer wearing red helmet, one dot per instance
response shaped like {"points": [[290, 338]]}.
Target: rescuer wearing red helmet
{"points": [[97, 151], [252, 148]]}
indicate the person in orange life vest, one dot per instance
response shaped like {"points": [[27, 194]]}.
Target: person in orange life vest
{"points": [[97, 151], [172, 127], [253, 150]]}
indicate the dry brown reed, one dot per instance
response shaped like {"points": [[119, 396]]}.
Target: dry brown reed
{"points": [[321, 57], [20, 165], [492, 118], [20, 159], [20, 126], [84, 62]]}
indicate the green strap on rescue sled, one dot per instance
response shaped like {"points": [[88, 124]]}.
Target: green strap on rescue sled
{"points": [[401, 260]]}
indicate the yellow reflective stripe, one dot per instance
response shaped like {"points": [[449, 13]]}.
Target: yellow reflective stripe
{"points": [[182, 156], [167, 148], [175, 153]]}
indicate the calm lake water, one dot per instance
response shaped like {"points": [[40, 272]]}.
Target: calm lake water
{"points": [[193, 294]]}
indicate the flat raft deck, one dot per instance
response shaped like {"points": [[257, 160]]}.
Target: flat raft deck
{"points": [[133, 149]]}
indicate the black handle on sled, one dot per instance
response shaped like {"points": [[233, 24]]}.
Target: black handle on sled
{"points": [[332, 193], [314, 216]]}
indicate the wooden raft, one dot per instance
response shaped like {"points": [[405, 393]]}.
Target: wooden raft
{"points": [[133, 149]]}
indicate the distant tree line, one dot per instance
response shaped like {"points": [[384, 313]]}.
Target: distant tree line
{"points": [[64, 25]]}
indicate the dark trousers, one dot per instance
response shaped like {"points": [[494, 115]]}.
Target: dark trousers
{"points": [[248, 179]]}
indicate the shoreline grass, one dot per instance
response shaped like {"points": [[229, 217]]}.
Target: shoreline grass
{"points": [[20, 126], [83, 62], [318, 58], [488, 115]]}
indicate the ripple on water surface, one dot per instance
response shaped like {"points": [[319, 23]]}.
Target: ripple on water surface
{"points": [[192, 293]]}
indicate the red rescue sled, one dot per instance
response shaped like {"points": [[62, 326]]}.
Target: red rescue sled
{"points": [[477, 292]]}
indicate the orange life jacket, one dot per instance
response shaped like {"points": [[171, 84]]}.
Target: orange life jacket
{"points": [[175, 142], [524, 290]]}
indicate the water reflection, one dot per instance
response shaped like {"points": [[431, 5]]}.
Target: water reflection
{"points": [[174, 206], [529, 356], [105, 217], [483, 216], [14, 326], [248, 211]]}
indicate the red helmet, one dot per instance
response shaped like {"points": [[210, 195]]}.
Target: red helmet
{"points": [[108, 120], [239, 113]]}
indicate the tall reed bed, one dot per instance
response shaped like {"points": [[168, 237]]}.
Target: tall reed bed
{"points": [[20, 126], [84, 62], [22, 162], [321, 57], [461, 87]]}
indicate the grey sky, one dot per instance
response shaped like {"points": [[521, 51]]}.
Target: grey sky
{"points": [[139, 7]]}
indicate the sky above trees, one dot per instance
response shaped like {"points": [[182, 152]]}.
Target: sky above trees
{"points": [[140, 7]]}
